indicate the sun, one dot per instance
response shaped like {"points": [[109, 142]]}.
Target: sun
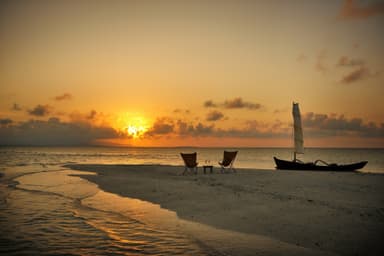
{"points": [[136, 131], [134, 126]]}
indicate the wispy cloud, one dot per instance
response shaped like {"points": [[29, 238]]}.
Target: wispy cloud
{"points": [[302, 57], [354, 69], [40, 110], [282, 110], [181, 111], [357, 69], [345, 61], [355, 75], [65, 96], [235, 103], [352, 10], [320, 63]]}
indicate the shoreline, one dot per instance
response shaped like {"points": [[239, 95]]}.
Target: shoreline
{"points": [[339, 213]]}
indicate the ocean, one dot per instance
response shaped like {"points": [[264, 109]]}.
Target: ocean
{"points": [[44, 210], [256, 158]]}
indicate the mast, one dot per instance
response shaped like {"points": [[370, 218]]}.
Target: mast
{"points": [[297, 131]]}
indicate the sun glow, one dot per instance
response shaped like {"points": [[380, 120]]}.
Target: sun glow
{"points": [[133, 126]]}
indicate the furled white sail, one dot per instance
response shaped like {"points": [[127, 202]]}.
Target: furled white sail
{"points": [[298, 132]]}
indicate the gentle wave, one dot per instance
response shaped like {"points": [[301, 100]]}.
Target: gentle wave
{"points": [[52, 213]]}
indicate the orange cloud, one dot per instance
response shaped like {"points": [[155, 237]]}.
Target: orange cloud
{"points": [[235, 103], [239, 103], [92, 114], [167, 127], [16, 107], [40, 110], [351, 10], [214, 116], [210, 104], [162, 126], [181, 111]]}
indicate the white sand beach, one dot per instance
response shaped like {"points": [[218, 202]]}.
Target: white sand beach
{"points": [[322, 212]]}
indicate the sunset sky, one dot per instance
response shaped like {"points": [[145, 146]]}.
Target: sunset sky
{"points": [[191, 73]]}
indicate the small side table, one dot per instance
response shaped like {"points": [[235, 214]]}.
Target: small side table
{"points": [[209, 167]]}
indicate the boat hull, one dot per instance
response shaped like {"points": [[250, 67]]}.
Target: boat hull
{"points": [[291, 165]]}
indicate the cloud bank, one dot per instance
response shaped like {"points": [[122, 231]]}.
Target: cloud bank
{"points": [[167, 126], [55, 132], [315, 125], [52, 132], [5, 122], [335, 125]]}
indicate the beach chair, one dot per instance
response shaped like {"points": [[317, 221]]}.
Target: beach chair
{"points": [[190, 161], [228, 160]]}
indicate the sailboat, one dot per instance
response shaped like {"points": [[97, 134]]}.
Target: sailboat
{"points": [[318, 165]]}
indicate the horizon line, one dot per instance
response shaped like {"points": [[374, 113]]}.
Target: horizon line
{"points": [[211, 147]]}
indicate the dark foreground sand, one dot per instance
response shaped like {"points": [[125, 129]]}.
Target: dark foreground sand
{"points": [[308, 212]]}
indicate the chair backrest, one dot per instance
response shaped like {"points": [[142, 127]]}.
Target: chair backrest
{"points": [[189, 159], [229, 157]]}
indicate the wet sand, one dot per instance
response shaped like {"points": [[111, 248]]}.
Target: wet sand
{"points": [[316, 212]]}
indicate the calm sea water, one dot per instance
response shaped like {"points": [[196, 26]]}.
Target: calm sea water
{"points": [[45, 211], [257, 158]]}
